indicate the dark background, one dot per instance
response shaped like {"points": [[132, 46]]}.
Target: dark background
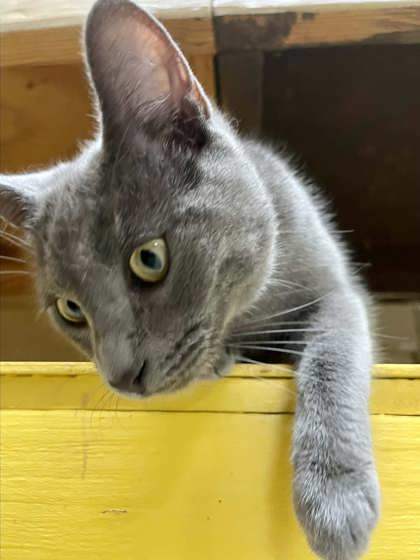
{"points": [[351, 117]]}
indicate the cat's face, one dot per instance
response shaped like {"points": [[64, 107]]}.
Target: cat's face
{"points": [[158, 236]]}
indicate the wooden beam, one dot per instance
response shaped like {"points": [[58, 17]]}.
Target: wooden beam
{"points": [[49, 32], [308, 26], [62, 45], [264, 371], [240, 80], [395, 390], [17, 15], [258, 7]]}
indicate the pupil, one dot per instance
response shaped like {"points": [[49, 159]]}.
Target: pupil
{"points": [[74, 308], [150, 259]]}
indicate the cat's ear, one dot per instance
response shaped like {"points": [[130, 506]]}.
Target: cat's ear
{"points": [[19, 196], [143, 81]]}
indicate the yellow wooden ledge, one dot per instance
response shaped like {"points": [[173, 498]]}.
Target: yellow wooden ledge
{"points": [[252, 389], [200, 475]]}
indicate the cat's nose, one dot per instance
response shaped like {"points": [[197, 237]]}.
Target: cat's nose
{"points": [[130, 381]]}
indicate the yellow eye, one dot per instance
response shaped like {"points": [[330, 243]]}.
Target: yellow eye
{"points": [[70, 310], [150, 261]]}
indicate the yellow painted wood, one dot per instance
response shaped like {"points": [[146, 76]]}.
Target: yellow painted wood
{"points": [[380, 371], [204, 474], [248, 389], [135, 485]]}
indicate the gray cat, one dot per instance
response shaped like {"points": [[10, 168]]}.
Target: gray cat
{"points": [[170, 246]]}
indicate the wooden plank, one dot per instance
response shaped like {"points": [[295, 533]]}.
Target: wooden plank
{"points": [[44, 34], [62, 45], [49, 32], [241, 87], [45, 112], [256, 7], [218, 486], [295, 28], [279, 371], [16, 15], [203, 67], [383, 25], [78, 387]]}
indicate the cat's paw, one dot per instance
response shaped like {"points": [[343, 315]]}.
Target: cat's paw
{"points": [[338, 512]]}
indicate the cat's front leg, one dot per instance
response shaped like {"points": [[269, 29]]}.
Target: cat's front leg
{"points": [[336, 489]]}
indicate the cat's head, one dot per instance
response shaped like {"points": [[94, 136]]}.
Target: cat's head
{"points": [[158, 235]]}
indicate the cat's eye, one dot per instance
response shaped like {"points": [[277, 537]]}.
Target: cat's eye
{"points": [[150, 261], [70, 311]]}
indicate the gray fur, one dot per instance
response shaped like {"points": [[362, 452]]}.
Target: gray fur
{"points": [[248, 242]]}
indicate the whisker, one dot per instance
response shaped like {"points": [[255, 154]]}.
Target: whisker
{"points": [[13, 259], [291, 310], [25, 272], [268, 381], [12, 242], [390, 336], [289, 284], [277, 342], [14, 238], [96, 408], [278, 323], [284, 369], [277, 331], [271, 349], [306, 231]]}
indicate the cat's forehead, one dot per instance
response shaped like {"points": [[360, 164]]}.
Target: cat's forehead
{"points": [[99, 206]]}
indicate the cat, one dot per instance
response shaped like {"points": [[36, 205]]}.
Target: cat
{"points": [[170, 247]]}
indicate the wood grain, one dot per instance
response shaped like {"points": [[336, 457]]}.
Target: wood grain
{"points": [[49, 32], [255, 7], [249, 389], [203, 67], [45, 112], [46, 33], [26, 14], [296, 28], [278, 371], [388, 25], [217, 486], [62, 45]]}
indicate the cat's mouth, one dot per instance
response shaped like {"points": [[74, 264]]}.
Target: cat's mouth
{"points": [[204, 367], [202, 359]]}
